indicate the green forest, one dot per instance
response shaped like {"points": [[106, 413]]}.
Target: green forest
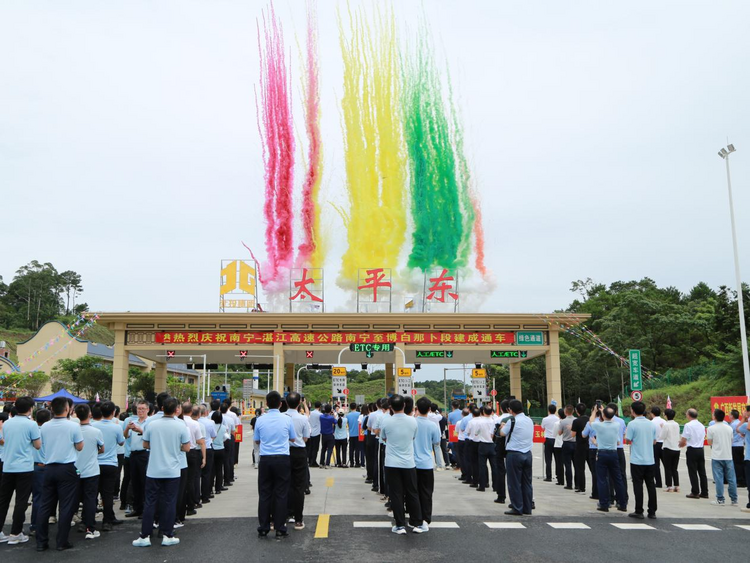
{"points": [[689, 344]]}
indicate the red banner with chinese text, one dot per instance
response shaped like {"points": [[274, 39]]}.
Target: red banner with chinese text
{"points": [[728, 404], [538, 434], [195, 337], [361, 433], [238, 433]]}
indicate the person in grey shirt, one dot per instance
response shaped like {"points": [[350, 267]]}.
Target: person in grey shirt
{"points": [[569, 445]]}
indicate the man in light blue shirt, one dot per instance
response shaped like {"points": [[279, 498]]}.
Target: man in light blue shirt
{"points": [[352, 419], [641, 435], [88, 468], [297, 460], [608, 437], [168, 439], [738, 447], [743, 431], [21, 436], [428, 434], [108, 464], [62, 440], [133, 433], [454, 417], [314, 442], [207, 469], [274, 432], [398, 433], [519, 437]]}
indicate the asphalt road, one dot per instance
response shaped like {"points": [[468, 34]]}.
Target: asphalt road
{"points": [[235, 540]]}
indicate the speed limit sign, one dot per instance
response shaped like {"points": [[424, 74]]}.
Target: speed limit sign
{"points": [[636, 395]]}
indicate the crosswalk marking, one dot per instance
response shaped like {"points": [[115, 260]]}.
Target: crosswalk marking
{"points": [[633, 526], [505, 525], [568, 525], [372, 524], [696, 527], [443, 525], [744, 527]]}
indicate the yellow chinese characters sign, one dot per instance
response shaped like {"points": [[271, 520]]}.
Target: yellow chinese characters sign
{"points": [[238, 285]]}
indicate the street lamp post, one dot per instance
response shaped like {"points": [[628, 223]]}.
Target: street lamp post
{"points": [[724, 153]]}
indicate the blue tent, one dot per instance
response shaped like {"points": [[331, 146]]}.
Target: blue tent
{"points": [[60, 393]]}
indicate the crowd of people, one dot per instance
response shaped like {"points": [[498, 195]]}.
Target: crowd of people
{"points": [[401, 444], [162, 462]]}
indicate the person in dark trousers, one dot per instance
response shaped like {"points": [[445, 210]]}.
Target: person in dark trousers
{"points": [[484, 430], [228, 446], [313, 444], [297, 460], [590, 435], [641, 435], [218, 446], [21, 436], [352, 420], [108, 465], [87, 465], [519, 436], [569, 445], [274, 432], [138, 457], [62, 440], [168, 440], [693, 436], [548, 425], [738, 448], [37, 487], [398, 433], [327, 422], [557, 453], [500, 453], [620, 459], [581, 453], [206, 481], [654, 415], [608, 437], [427, 437]]}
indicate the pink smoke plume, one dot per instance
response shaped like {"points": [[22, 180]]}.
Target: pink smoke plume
{"points": [[478, 236], [276, 130], [310, 216]]}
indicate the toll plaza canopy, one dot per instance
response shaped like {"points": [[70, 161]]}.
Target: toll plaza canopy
{"points": [[284, 339]]}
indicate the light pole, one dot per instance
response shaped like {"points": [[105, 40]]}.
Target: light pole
{"points": [[724, 153]]}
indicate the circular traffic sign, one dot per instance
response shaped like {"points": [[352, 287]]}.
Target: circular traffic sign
{"points": [[413, 391], [346, 391], [636, 395], [493, 392]]}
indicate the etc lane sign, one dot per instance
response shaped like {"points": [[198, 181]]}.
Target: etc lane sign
{"points": [[636, 381]]}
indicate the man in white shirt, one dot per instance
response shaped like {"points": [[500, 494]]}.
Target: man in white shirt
{"points": [[548, 425], [483, 431], [298, 460], [196, 457], [472, 448], [500, 451], [693, 435], [658, 422], [722, 466], [436, 417], [314, 442]]}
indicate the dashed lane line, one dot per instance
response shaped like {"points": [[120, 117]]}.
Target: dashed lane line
{"points": [[697, 527], [568, 525], [321, 530], [633, 526], [505, 525]]}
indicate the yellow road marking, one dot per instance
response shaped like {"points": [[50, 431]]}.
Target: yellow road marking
{"points": [[329, 482], [321, 530]]}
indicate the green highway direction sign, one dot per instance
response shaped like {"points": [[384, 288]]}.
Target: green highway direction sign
{"points": [[636, 382], [434, 353], [509, 353], [529, 338]]}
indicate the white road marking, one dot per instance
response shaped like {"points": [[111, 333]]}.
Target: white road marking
{"points": [[633, 526], [744, 527], [568, 525], [443, 525], [697, 527], [505, 525], [372, 524]]}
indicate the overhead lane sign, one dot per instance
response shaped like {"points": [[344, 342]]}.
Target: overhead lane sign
{"points": [[509, 353], [434, 354]]}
